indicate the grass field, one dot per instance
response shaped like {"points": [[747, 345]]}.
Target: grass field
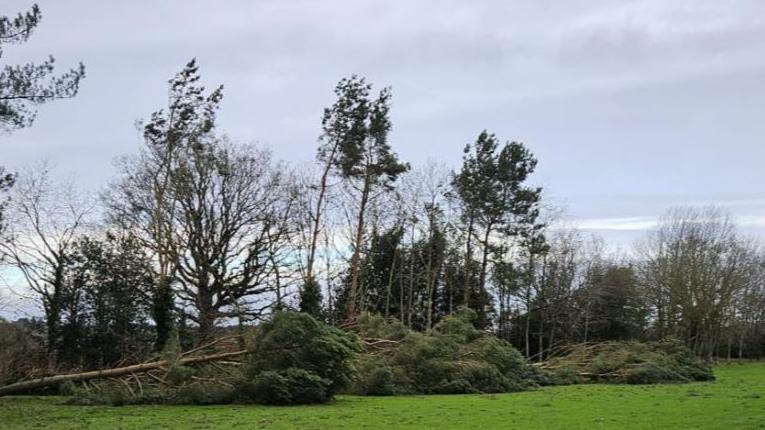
{"points": [[735, 401]]}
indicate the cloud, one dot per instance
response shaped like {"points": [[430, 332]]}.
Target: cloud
{"points": [[625, 223]]}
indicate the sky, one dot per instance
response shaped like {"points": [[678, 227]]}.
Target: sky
{"points": [[631, 107]]}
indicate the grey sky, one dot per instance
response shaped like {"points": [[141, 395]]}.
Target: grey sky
{"points": [[630, 106]]}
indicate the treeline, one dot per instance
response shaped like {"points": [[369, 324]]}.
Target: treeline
{"points": [[197, 234]]}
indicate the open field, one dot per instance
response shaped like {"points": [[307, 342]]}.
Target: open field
{"points": [[735, 401]]}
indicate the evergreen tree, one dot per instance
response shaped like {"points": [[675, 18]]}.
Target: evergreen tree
{"points": [[360, 123], [310, 298], [495, 199], [23, 87]]}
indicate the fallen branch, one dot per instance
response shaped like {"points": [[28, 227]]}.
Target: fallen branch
{"points": [[24, 386]]}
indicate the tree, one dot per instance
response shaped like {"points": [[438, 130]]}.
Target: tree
{"points": [[693, 266], [143, 198], [6, 182], [360, 125], [24, 87], [612, 304], [46, 220], [231, 229], [491, 187], [113, 275]]}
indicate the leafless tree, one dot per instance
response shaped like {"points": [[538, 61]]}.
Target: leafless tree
{"points": [[45, 218], [693, 266], [232, 225]]}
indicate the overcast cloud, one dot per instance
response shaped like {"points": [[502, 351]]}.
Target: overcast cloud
{"points": [[630, 106]]}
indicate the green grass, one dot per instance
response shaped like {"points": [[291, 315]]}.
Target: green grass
{"points": [[735, 401]]}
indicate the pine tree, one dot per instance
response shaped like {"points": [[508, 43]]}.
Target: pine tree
{"points": [[23, 87], [360, 124], [495, 199]]}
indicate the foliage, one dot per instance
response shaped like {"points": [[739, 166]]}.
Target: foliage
{"points": [[491, 186], [21, 352], [23, 87], [6, 182], [370, 325], [455, 358], [632, 362], [109, 279], [297, 340], [292, 386], [310, 298], [735, 400], [374, 377], [358, 125]]}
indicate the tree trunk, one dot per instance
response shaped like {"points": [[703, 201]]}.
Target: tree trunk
{"points": [[317, 216], [468, 261], [24, 386], [352, 294], [484, 259]]}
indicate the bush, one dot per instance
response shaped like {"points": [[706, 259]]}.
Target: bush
{"points": [[653, 373], [564, 376]]}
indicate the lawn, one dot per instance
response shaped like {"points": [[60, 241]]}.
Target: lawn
{"points": [[735, 401]]}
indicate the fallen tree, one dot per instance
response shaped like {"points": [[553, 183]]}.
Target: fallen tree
{"points": [[25, 386], [665, 361]]}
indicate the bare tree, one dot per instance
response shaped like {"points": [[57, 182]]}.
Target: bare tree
{"points": [[232, 225], [45, 219], [693, 266]]}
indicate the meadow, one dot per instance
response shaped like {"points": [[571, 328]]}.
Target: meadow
{"points": [[736, 400]]}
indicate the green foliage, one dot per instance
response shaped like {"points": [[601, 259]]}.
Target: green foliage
{"points": [[179, 375], [23, 87], [375, 326], [459, 325], [374, 377], [109, 279], [310, 298], [456, 358], [297, 340], [291, 386], [358, 124], [734, 401], [6, 182], [194, 394]]}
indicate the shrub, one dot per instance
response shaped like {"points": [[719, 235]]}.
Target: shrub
{"points": [[564, 376], [653, 373], [483, 377]]}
